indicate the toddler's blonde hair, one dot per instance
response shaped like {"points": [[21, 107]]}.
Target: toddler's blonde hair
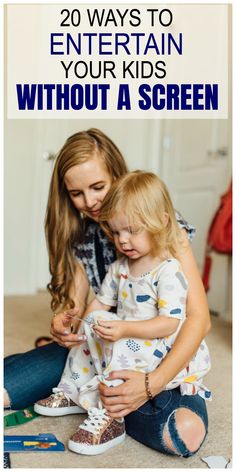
{"points": [[145, 200]]}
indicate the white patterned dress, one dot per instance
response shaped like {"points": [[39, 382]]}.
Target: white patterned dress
{"points": [[162, 291]]}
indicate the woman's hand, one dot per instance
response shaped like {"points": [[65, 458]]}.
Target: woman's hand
{"points": [[63, 327], [127, 397], [110, 330]]}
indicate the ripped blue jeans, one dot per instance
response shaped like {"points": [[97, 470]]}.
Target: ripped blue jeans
{"points": [[147, 424]]}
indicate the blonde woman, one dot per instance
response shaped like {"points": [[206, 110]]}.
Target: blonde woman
{"points": [[80, 254]]}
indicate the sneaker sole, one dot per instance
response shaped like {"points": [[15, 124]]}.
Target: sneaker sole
{"points": [[47, 411], [88, 450]]}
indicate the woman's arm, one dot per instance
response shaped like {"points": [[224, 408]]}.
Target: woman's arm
{"points": [[96, 305], [196, 325], [60, 325], [131, 394]]}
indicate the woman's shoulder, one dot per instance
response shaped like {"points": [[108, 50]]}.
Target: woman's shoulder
{"points": [[191, 230]]}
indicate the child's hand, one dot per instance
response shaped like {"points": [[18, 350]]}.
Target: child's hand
{"points": [[110, 330]]}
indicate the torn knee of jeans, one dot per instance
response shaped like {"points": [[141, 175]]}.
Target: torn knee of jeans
{"points": [[167, 441], [177, 445]]}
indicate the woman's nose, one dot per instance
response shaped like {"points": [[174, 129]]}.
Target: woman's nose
{"points": [[89, 201]]}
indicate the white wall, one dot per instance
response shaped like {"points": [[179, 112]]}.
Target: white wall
{"points": [[18, 169]]}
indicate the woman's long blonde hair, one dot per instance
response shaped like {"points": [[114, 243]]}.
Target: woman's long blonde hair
{"points": [[64, 226], [145, 200]]}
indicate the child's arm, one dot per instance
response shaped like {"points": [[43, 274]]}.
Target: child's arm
{"points": [[158, 327], [107, 295], [95, 305]]}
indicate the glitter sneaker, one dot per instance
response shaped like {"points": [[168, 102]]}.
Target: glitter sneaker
{"points": [[97, 433], [57, 405]]}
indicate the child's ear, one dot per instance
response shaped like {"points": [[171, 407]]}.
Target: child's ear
{"points": [[166, 219]]}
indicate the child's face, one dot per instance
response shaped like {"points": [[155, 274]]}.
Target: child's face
{"points": [[133, 241]]}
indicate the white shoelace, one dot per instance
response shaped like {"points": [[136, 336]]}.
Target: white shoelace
{"points": [[97, 418]]}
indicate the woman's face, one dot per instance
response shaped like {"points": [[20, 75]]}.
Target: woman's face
{"points": [[87, 185]]}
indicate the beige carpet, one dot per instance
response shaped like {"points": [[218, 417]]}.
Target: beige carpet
{"points": [[28, 317]]}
